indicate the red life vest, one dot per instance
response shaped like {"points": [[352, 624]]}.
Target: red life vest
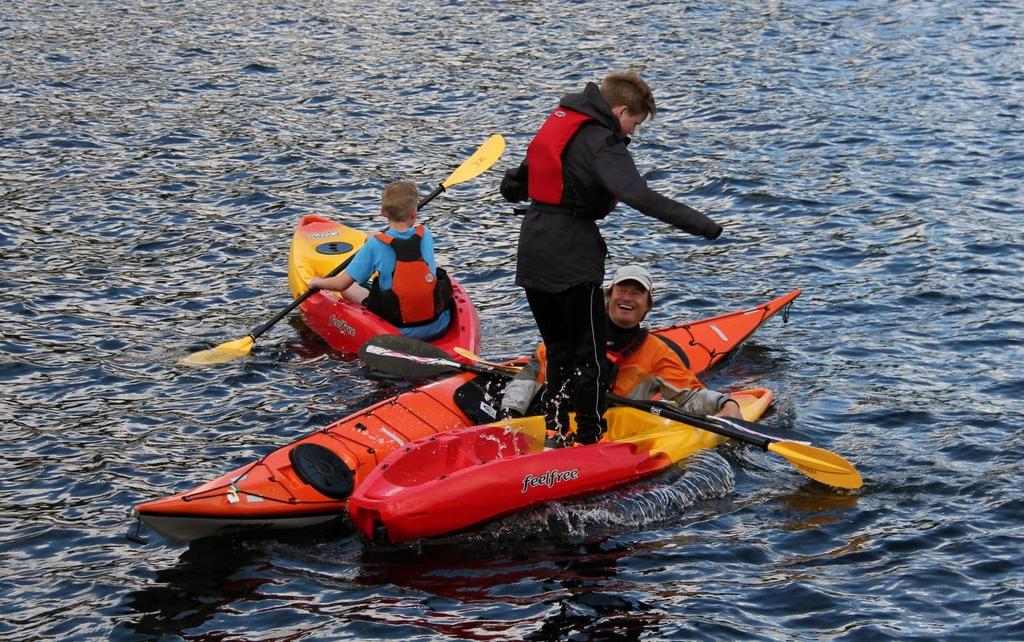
{"points": [[416, 296], [545, 152]]}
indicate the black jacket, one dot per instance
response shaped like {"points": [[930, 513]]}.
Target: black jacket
{"points": [[558, 251]]}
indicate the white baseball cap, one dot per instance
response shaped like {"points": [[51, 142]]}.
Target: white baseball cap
{"points": [[634, 273]]}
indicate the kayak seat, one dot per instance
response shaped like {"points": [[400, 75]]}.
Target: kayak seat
{"points": [[498, 443], [480, 398], [323, 470], [436, 458]]}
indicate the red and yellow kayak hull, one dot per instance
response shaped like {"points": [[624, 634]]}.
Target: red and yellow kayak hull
{"points": [[452, 481], [283, 490]]}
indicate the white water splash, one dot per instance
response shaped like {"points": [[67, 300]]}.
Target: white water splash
{"points": [[706, 475]]}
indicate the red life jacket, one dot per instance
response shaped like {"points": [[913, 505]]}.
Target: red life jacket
{"points": [[416, 296], [545, 152]]}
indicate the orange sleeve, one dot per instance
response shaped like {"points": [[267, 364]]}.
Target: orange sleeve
{"points": [[672, 371], [654, 359]]}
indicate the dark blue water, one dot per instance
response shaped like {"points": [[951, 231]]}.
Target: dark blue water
{"points": [[155, 157]]}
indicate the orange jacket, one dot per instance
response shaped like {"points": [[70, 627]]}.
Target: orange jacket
{"points": [[652, 359]]}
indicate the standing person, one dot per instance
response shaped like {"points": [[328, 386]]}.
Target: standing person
{"points": [[410, 291], [577, 169]]}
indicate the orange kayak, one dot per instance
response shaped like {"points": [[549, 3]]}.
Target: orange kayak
{"points": [[308, 481], [318, 246]]}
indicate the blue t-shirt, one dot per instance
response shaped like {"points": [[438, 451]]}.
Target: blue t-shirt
{"points": [[376, 256]]}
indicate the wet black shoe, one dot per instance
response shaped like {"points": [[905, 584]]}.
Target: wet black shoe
{"points": [[556, 439]]}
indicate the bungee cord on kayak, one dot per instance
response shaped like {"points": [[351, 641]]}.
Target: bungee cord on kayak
{"points": [[238, 500]]}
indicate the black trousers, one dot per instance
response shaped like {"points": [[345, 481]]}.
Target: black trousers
{"points": [[573, 324]]}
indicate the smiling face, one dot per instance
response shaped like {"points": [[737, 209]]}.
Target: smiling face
{"points": [[628, 304]]}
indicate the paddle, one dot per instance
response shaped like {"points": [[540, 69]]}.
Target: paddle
{"points": [[459, 350], [817, 463], [482, 159], [409, 358], [742, 423], [414, 359]]}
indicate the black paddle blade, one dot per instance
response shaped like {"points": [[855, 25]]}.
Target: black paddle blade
{"points": [[733, 427], [726, 427], [403, 356]]}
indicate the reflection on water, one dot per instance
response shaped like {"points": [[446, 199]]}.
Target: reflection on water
{"points": [[552, 556], [814, 503], [208, 576]]}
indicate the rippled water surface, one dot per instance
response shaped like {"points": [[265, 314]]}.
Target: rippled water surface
{"points": [[155, 157]]}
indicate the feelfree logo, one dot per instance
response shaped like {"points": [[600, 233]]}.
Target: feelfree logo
{"points": [[550, 478], [342, 326]]}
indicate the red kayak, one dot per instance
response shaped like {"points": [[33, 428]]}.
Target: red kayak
{"points": [[308, 481], [318, 246], [451, 481]]}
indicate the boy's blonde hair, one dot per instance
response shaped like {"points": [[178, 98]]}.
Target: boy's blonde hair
{"points": [[629, 89], [399, 201]]}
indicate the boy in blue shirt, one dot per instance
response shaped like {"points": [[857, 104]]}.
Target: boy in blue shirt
{"points": [[409, 291]]}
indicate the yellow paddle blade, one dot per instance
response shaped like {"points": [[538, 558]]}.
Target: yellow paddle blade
{"points": [[462, 352], [220, 354], [481, 160], [819, 464]]}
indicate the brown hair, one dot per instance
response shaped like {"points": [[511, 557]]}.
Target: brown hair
{"points": [[629, 89], [399, 201]]}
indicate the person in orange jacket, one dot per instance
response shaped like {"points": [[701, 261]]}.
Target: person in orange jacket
{"points": [[643, 365]]}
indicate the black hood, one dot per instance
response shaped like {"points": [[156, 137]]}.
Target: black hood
{"points": [[620, 338], [592, 103]]}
